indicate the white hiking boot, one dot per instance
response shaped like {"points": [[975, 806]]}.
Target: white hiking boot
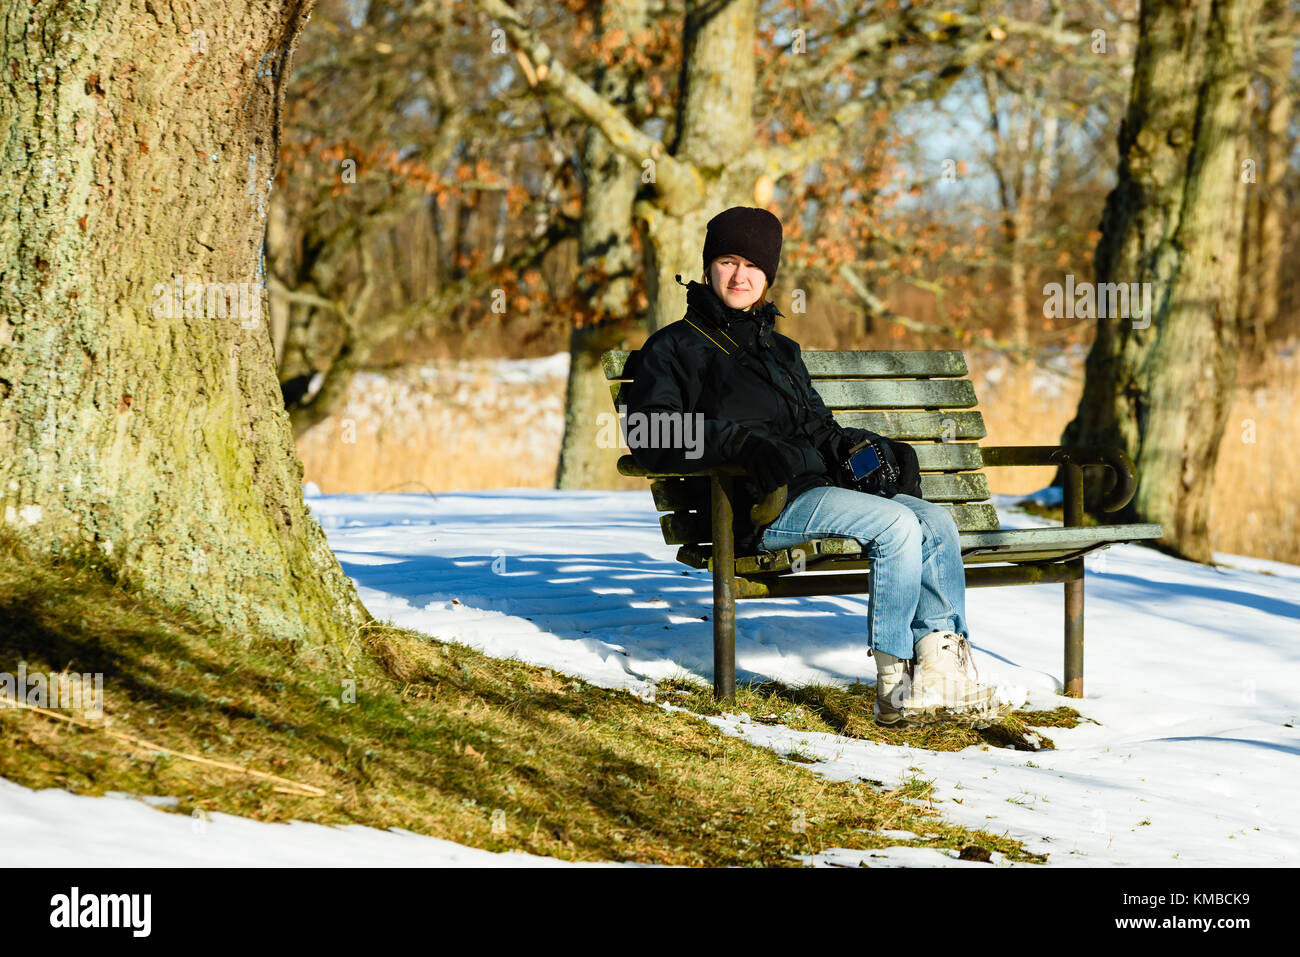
{"points": [[893, 683], [934, 688], [942, 687]]}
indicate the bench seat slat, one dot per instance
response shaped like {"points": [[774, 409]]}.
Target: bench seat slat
{"points": [[1015, 545], [1054, 537]]}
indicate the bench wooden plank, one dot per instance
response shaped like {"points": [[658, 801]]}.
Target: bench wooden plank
{"points": [[891, 394], [947, 456], [981, 517], [677, 494], [815, 552], [955, 487], [1053, 537], [686, 528], [953, 457], [1015, 545], [901, 363], [896, 393], [912, 426], [883, 364]]}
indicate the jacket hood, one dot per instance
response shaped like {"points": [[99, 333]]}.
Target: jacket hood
{"points": [[704, 301]]}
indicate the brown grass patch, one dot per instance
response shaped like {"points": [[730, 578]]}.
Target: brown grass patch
{"points": [[412, 733]]}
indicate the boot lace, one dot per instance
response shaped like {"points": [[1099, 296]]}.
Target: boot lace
{"points": [[962, 649]]}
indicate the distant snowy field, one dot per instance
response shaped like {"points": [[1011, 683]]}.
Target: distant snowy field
{"points": [[1191, 674]]}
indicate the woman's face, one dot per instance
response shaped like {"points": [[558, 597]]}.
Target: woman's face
{"points": [[736, 280]]}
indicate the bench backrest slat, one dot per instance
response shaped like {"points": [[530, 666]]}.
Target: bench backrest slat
{"points": [[911, 426], [843, 364], [896, 393], [947, 456], [843, 393]]}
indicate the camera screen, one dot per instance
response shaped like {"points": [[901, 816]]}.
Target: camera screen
{"points": [[864, 462]]}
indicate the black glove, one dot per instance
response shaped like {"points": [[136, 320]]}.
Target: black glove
{"points": [[765, 462], [909, 469], [879, 481], [900, 455]]}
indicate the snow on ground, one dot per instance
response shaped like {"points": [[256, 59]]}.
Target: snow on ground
{"points": [[53, 828], [1190, 671], [1190, 675]]}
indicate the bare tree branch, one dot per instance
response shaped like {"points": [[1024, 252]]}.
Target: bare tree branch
{"points": [[678, 182], [786, 158]]}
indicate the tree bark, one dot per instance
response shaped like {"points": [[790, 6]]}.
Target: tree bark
{"points": [[1272, 199], [137, 144], [1162, 391]]}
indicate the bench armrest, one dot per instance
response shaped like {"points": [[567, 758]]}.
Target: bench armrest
{"points": [[761, 513], [1115, 459]]}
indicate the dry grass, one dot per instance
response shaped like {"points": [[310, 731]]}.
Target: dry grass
{"points": [[437, 739], [1253, 509], [847, 711], [440, 426], [458, 428]]}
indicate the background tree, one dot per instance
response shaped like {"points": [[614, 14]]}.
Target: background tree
{"points": [[608, 251], [1161, 388], [1272, 144]]}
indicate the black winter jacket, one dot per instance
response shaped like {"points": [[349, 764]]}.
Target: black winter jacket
{"points": [[741, 375]]}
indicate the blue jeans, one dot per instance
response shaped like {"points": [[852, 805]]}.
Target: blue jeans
{"points": [[918, 584]]}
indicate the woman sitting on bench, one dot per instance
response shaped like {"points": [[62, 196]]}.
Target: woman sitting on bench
{"points": [[725, 361]]}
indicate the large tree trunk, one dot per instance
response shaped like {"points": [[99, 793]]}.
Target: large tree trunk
{"points": [[138, 143], [1162, 391]]}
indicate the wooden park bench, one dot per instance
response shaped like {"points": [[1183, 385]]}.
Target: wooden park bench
{"points": [[923, 398]]}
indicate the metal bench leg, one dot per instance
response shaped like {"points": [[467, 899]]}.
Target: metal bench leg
{"points": [[1074, 632], [724, 598], [1073, 515]]}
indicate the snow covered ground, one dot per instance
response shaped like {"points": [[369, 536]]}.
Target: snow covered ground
{"points": [[53, 828], [1191, 674]]}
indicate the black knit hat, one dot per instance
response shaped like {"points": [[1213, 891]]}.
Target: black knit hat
{"points": [[745, 231]]}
